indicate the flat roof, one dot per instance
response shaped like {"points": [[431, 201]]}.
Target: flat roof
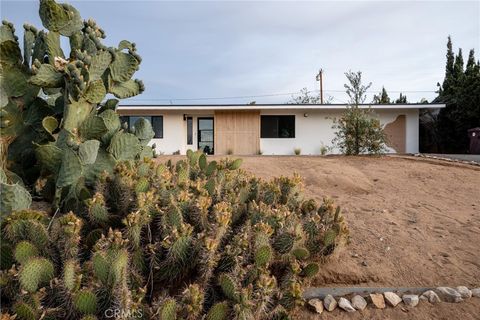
{"points": [[276, 106]]}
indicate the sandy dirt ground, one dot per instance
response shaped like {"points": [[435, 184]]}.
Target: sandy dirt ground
{"points": [[414, 222]]}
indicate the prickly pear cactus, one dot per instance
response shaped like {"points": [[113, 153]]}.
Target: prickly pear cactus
{"points": [[72, 131], [195, 239], [248, 245], [13, 195]]}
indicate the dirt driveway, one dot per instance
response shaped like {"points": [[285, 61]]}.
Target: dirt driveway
{"points": [[414, 222]]}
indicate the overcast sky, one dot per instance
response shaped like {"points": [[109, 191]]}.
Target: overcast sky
{"points": [[229, 49]]}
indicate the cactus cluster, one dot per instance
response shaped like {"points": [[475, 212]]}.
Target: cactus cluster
{"points": [[187, 240], [59, 130], [132, 238]]}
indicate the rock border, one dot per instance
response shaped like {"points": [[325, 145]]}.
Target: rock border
{"points": [[422, 155], [338, 298]]}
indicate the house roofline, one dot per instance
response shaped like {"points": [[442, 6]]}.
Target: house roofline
{"points": [[277, 106]]}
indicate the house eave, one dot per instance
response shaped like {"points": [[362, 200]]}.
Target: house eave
{"points": [[277, 106]]}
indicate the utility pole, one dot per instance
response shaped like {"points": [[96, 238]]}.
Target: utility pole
{"points": [[319, 78]]}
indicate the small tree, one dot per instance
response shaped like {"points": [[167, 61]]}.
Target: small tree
{"points": [[358, 131], [305, 97]]}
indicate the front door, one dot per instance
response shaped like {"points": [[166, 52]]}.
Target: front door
{"points": [[205, 135]]}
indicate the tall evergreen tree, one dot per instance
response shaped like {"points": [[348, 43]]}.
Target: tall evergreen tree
{"points": [[448, 81], [470, 68], [401, 99], [461, 94], [458, 72], [382, 97]]}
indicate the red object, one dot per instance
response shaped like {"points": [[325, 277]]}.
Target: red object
{"points": [[474, 135]]}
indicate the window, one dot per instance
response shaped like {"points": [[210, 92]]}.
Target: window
{"points": [[277, 127], [157, 125], [189, 130], [123, 119], [205, 135], [155, 121]]}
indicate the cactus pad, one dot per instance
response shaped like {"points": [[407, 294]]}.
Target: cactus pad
{"points": [[329, 237], [235, 164], [70, 170], [124, 146], [310, 270], [168, 310], [142, 185], [24, 311], [13, 197], [301, 253], [202, 161], [85, 301], [95, 91], [228, 286], [24, 251], [218, 311], [210, 186], [47, 76], [35, 273], [263, 255], [88, 151], [62, 18], [70, 275]]}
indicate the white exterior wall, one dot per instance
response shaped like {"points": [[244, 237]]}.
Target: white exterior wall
{"points": [[175, 131], [315, 130], [311, 131]]}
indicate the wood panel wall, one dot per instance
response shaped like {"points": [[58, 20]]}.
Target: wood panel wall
{"points": [[237, 131], [396, 133]]}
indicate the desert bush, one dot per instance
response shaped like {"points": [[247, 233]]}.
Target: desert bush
{"points": [[183, 240], [324, 149], [358, 130]]}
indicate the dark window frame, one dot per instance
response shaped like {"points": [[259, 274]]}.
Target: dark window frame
{"points": [[158, 133], [189, 131], [199, 134], [271, 126]]}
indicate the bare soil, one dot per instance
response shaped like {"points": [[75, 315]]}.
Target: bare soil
{"points": [[414, 222]]}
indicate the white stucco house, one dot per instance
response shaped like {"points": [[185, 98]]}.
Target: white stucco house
{"points": [[270, 129]]}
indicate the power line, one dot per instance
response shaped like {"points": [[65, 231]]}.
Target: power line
{"points": [[220, 98], [274, 95]]}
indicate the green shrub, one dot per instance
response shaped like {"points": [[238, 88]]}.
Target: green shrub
{"points": [[358, 130]]}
